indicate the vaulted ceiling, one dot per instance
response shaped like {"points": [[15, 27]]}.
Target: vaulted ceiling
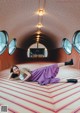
{"points": [[19, 19]]}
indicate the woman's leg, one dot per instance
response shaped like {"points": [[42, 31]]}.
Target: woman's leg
{"points": [[61, 64], [63, 81], [68, 81], [65, 63]]}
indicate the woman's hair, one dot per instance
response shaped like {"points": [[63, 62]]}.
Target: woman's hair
{"points": [[11, 70], [14, 75]]}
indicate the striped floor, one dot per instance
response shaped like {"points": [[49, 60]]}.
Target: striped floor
{"points": [[30, 97]]}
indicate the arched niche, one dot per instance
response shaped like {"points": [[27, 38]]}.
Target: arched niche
{"points": [[35, 51]]}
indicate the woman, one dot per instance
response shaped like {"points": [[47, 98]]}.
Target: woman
{"points": [[43, 76]]}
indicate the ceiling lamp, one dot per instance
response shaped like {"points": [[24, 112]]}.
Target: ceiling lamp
{"points": [[37, 39], [41, 12], [38, 32], [38, 36], [39, 25]]}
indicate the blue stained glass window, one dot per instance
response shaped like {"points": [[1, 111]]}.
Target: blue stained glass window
{"points": [[12, 46], [67, 46], [76, 41], [3, 41]]}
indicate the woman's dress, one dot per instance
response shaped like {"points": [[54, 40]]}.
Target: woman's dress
{"points": [[45, 75]]}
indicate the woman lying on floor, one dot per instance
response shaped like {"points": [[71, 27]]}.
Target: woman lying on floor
{"points": [[44, 75]]}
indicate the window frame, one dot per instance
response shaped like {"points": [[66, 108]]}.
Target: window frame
{"points": [[14, 39], [63, 42], [73, 41], [6, 42]]}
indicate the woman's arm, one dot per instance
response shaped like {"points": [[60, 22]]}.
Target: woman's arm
{"points": [[28, 75], [10, 76]]}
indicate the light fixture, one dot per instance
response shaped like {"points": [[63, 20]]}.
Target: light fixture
{"points": [[41, 12], [38, 36], [39, 25], [37, 39], [38, 32]]}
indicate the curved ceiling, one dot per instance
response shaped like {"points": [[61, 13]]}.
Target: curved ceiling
{"points": [[61, 20], [44, 39]]}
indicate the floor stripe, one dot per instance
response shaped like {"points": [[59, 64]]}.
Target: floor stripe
{"points": [[27, 90], [67, 104], [66, 97], [30, 87], [20, 105], [66, 91], [28, 101], [27, 95], [61, 88], [77, 110]]}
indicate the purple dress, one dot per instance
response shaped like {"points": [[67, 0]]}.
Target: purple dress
{"points": [[45, 75]]}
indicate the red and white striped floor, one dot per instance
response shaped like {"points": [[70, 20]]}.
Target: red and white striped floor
{"points": [[30, 97]]}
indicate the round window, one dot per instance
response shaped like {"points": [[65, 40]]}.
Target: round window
{"points": [[76, 41], [3, 41], [12, 46], [67, 46]]}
